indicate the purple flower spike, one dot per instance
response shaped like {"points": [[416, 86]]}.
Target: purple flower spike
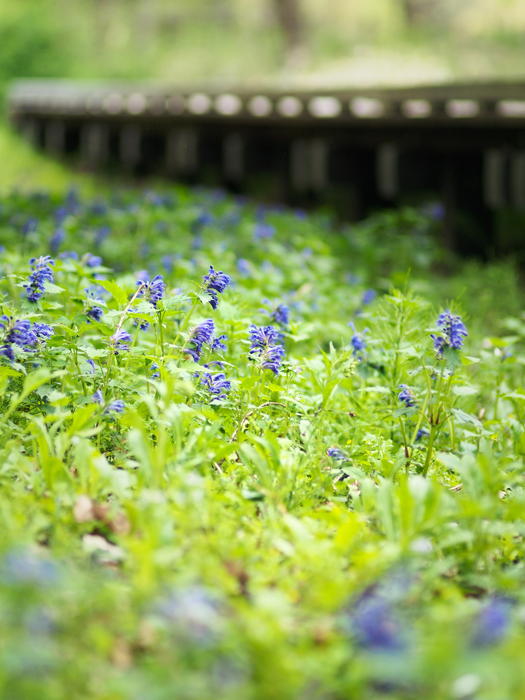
{"points": [[453, 330], [120, 341], [199, 336], [266, 347], [215, 282]]}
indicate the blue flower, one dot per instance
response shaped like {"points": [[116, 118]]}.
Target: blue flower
{"points": [[453, 330], [374, 624], [167, 262], [152, 291], [91, 260], [56, 240], [22, 567], [213, 283], [263, 231], [279, 313], [16, 332], [368, 297], [42, 272], [100, 235], [6, 351], [244, 267], [422, 433], [154, 368], [120, 340], [406, 396], [357, 342], [266, 347], [68, 255], [91, 305], [217, 385], [116, 406], [97, 397], [29, 226], [218, 343], [90, 362], [492, 622], [199, 336], [337, 454]]}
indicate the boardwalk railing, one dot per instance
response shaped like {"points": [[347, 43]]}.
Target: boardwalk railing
{"points": [[357, 149]]}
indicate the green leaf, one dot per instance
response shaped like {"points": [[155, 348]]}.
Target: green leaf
{"points": [[120, 296]]}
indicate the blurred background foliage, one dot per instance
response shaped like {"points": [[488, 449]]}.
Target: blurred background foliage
{"points": [[328, 42]]}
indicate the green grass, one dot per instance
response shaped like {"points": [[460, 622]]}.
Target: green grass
{"points": [[292, 534]]}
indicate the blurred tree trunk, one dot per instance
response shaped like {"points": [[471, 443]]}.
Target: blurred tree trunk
{"points": [[418, 12], [290, 20]]}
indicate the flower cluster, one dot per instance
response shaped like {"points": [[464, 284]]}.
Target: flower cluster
{"points": [[153, 290], [116, 406], [90, 260], [21, 333], [199, 336], [217, 385], [406, 396], [453, 330], [279, 313], [266, 347], [120, 340], [41, 272], [358, 344], [215, 283], [92, 308], [337, 454]]}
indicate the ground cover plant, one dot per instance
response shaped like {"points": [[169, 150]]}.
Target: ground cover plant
{"points": [[244, 455]]}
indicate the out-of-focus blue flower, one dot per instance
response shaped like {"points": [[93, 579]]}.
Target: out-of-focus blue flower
{"points": [[142, 276], [202, 220], [90, 362], [199, 336], [217, 385], [90, 260], [368, 297], [120, 340], [41, 272], [97, 397], [263, 230], [56, 240], [154, 369], [213, 283], [23, 567], [100, 235], [29, 226], [266, 347], [116, 406], [68, 255], [453, 330], [422, 433], [244, 267], [6, 351], [358, 344], [374, 624], [337, 454], [167, 262], [406, 396], [153, 291], [193, 614], [492, 623], [279, 313]]}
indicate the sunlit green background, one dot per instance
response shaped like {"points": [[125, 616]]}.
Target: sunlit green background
{"points": [[325, 41], [329, 43]]}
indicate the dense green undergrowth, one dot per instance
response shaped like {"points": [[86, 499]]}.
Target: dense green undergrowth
{"points": [[329, 509]]}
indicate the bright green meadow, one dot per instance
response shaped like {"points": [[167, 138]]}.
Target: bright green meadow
{"points": [[187, 516]]}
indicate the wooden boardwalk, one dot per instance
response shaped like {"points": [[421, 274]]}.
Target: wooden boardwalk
{"points": [[461, 145]]}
